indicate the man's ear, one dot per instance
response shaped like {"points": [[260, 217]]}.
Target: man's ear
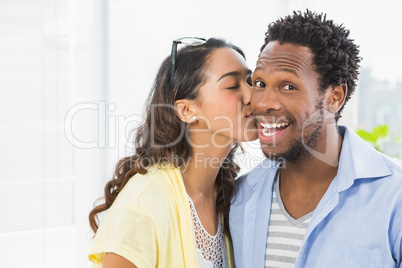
{"points": [[185, 110], [337, 96]]}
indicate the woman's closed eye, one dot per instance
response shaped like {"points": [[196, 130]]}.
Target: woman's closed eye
{"points": [[237, 86]]}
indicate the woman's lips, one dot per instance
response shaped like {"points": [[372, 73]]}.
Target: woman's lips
{"points": [[251, 115]]}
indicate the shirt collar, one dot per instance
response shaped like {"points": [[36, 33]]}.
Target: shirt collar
{"points": [[358, 160], [255, 177]]}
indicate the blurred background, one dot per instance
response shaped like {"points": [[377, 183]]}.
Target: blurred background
{"points": [[74, 76]]}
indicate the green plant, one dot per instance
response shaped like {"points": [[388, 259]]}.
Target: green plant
{"points": [[376, 137]]}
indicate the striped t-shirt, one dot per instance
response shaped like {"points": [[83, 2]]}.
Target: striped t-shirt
{"points": [[285, 235]]}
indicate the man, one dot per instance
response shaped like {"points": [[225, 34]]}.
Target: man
{"points": [[323, 197]]}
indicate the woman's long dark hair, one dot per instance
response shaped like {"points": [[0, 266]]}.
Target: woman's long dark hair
{"points": [[163, 137]]}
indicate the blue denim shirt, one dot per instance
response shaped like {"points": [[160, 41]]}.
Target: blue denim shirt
{"points": [[357, 223]]}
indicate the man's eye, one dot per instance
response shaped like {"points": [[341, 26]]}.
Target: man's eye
{"points": [[288, 87], [260, 84]]}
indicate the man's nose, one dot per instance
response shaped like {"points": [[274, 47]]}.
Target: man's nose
{"points": [[265, 101]]}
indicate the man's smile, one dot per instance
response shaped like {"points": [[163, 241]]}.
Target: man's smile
{"points": [[270, 129]]}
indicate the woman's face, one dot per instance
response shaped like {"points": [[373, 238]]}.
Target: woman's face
{"points": [[223, 103]]}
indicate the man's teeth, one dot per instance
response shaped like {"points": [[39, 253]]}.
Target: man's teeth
{"points": [[274, 125], [267, 129], [268, 134]]}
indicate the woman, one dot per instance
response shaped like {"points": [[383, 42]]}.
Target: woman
{"points": [[168, 204]]}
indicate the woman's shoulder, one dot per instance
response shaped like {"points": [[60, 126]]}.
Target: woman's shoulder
{"points": [[147, 192]]}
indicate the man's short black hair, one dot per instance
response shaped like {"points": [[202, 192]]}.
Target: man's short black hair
{"points": [[335, 57]]}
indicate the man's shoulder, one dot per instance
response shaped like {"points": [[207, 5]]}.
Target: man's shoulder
{"points": [[394, 164], [365, 162], [258, 179], [361, 157], [266, 167], [394, 179]]}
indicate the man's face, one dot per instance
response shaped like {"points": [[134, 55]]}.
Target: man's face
{"points": [[287, 102]]}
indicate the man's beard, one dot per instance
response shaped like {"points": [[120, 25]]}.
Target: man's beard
{"points": [[297, 151]]}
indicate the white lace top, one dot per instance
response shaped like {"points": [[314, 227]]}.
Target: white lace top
{"points": [[211, 249]]}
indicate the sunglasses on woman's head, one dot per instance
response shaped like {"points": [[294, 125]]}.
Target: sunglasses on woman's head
{"points": [[189, 41]]}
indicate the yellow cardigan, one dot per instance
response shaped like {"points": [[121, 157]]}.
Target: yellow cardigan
{"points": [[150, 223]]}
